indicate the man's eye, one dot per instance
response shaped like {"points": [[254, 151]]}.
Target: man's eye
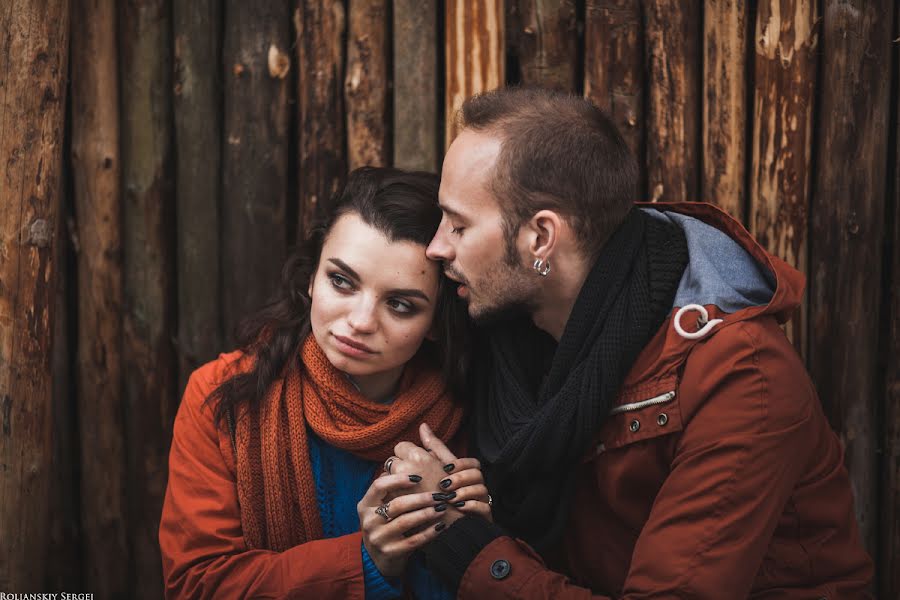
{"points": [[340, 282], [401, 306], [456, 230]]}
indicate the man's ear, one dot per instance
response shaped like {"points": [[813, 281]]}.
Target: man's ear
{"points": [[543, 232]]}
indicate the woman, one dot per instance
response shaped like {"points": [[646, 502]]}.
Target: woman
{"points": [[276, 446]]}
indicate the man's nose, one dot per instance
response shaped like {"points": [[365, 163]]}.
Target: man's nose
{"points": [[439, 249]]}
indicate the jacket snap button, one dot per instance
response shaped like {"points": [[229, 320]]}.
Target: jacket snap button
{"points": [[500, 569], [635, 425], [662, 419]]}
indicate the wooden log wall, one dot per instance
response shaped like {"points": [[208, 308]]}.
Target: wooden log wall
{"points": [[32, 110], [202, 136]]}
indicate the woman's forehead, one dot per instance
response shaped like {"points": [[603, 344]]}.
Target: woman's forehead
{"points": [[374, 258]]}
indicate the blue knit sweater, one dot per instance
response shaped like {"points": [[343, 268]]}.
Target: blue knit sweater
{"points": [[341, 481]]}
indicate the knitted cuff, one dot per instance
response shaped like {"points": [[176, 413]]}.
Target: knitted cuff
{"points": [[450, 554]]}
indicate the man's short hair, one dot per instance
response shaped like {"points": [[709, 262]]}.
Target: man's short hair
{"points": [[558, 152]]}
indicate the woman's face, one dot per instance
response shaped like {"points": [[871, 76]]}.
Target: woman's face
{"points": [[373, 302]]}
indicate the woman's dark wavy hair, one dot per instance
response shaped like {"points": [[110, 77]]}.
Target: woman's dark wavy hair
{"points": [[401, 205]]}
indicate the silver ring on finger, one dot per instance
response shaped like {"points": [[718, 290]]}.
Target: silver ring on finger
{"points": [[382, 511], [388, 463], [490, 500]]}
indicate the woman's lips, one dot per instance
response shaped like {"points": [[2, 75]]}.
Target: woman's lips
{"points": [[351, 347]]}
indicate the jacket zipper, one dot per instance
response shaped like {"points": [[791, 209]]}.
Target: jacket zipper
{"points": [[661, 399]]}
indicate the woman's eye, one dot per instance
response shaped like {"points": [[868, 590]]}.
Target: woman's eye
{"points": [[340, 282], [401, 306]]}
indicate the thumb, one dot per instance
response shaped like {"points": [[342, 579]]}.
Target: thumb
{"points": [[434, 443]]}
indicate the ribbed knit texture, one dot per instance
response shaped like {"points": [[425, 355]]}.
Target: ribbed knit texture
{"points": [[450, 554], [276, 487]]}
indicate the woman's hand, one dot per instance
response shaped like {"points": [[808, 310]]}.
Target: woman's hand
{"points": [[459, 481], [396, 519]]}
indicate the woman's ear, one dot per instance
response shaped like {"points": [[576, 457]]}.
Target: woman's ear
{"points": [[432, 334]]}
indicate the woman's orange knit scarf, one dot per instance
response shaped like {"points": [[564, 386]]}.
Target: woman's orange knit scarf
{"points": [[276, 489]]}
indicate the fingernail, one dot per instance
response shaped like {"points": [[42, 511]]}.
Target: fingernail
{"points": [[440, 507], [460, 503], [449, 467], [450, 495], [415, 478], [439, 526], [444, 484], [440, 497]]}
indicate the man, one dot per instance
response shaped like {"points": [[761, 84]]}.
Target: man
{"points": [[646, 430]]}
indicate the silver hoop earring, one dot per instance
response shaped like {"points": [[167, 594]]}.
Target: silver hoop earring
{"points": [[542, 268]]}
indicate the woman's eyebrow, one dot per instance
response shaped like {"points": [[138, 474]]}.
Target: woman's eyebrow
{"points": [[344, 267], [411, 292]]}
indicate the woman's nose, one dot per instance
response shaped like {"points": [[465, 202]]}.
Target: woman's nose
{"points": [[362, 318]]}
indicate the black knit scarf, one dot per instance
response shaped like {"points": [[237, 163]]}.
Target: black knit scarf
{"points": [[533, 425]]}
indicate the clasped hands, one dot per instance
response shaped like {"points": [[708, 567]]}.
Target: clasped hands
{"points": [[425, 490]]}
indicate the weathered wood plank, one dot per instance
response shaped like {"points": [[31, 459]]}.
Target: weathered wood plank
{"points": [[255, 157], [415, 117], [543, 34], [783, 102], [149, 326], [365, 87], [673, 36], [63, 553], [198, 143], [614, 69], [725, 24], [847, 233], [96, 169], [889, 567], [319, 27], [33, 67], [475, 59]]}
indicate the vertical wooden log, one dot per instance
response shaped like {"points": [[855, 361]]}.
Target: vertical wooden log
{"points": [[889, 584], [198, 137], [97, 197], [475, 54], [543, 34], [415, 85], [319, 27], [255, 158], [673, 121], [365, 88], [63, 550], [784, 94], [33, 68], [614, 69], [846, 236], [150, 396], [724, 104]]}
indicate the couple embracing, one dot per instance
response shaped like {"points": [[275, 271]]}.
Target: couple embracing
{"points": [[514, 382]]}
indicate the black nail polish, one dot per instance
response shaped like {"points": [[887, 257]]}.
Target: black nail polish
{"points": [[450, 495], [448, 468], [415, 478], [439, 526], [460, 503], [446, 483], [440, 497], [440, 507]]}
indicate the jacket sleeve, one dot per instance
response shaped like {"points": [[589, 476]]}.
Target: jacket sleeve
{"points": [[738, 458], [203, 550]]}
